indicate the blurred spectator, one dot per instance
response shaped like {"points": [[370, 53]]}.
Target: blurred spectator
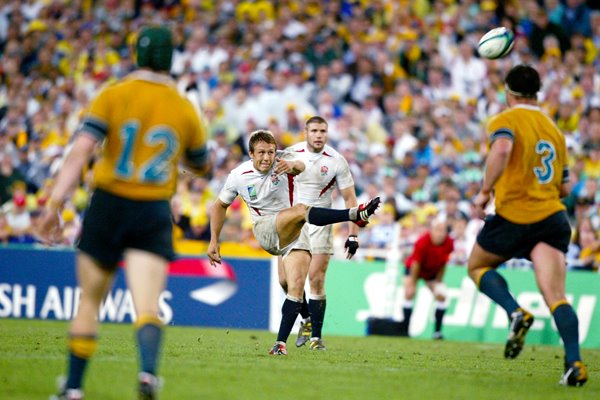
{"points": [[71, 224], [542, 28], [8, 177], [402, 86], [584, 250], [195, 207], [17, 216], [462, 242], [467, 72], [576, 18], [4, 229], [380, 235]]}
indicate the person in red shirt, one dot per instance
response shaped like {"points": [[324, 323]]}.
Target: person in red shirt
{"points": [[428, 262]]}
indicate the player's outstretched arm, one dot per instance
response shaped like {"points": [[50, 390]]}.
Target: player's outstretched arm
{"points": [[293, 167], [217, 219], [68, 177], [494, 167], [351, 245], [440, 274]]}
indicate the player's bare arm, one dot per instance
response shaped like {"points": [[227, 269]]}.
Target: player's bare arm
{"points": [[349, 196], [293, 167], [440, 275], [565, 189], [496, 163], [415, 269], [217, 219], [70, 173], [351, 245]]}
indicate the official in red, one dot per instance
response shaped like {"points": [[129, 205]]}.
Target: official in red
{"points": [[428, 262]]}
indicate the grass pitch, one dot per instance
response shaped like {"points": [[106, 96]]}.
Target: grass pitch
{"points": [[202, 363]]}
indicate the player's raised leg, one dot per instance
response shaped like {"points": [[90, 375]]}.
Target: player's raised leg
{"points": [[359, 215]]}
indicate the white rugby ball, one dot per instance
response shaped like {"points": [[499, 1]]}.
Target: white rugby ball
{"points": [[496, 43]]}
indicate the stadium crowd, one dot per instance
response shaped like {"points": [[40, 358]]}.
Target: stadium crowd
{"points": [[399, 82]]}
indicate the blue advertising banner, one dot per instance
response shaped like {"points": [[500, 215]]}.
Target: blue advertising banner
{"points": [[41, 284]]}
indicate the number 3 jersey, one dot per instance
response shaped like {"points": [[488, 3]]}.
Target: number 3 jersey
{"points": [[323, 171], [146, 126], [529, 188]]}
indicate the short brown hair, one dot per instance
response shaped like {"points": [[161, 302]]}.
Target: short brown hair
{"points": [[315, 120], [261, 135]]}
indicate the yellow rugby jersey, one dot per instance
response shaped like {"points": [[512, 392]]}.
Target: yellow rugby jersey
{"points": [[147, 126], [529, 188]]}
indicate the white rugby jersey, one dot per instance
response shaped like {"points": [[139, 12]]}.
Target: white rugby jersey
{"points": [[323, 171], [264, 194]]}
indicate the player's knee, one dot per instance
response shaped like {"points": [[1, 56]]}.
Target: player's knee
{"points": [[439, 292], [83, 346], [300, 210], [295, 286], [148, 318], [317, 284], [473, 271]]}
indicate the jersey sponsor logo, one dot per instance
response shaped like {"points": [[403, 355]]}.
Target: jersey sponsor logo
{"points": [[324, 170], [252, 192]]}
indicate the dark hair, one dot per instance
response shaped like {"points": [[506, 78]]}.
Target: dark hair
{"points": [[261, 135], [523, 81], [315, 120]]}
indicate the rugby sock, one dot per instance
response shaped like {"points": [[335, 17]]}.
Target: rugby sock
{"points": [[568, 328], [492, 284], [317, 305], [289, 312], [81, 349], [304, 312], [407, 310], [440, 310], [326, 216], [149, 334]]}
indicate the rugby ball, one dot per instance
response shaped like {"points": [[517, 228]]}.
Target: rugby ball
{"points": [[496, 43]]}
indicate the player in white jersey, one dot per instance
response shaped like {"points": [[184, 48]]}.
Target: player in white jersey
{"points": [[266, 184], [325, 169]]}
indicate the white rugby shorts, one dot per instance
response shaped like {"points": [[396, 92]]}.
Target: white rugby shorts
{"points": [[265, 231], [319, 239]]}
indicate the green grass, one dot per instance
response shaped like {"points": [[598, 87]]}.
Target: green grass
{"points": [[202, 363]]}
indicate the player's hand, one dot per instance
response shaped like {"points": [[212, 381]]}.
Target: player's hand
{"points": [[214, 254], [480, 202], [282, 166], [351, 246], [50, 231]]}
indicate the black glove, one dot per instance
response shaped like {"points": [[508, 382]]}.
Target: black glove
{"points": [[351, 246]]}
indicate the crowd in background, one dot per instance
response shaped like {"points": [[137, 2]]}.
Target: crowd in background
{"points": [[400, 83]]}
